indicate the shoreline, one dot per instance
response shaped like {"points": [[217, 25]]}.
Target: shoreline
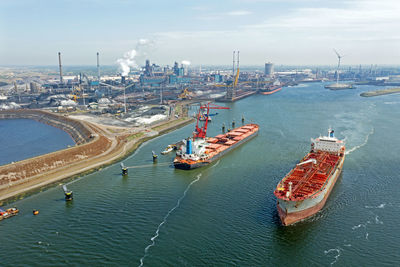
{"points": [[380, 92], [121, 146]]}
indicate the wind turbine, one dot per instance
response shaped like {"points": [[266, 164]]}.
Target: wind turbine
{"points": [[338, 65]]}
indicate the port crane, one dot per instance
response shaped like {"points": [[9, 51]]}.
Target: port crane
{"points": [[186, 94], [201, 126]]}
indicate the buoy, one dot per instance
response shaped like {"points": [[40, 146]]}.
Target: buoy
{"points": [[68, 193], [124, 169], [69, 196], [35, 212], [154, 156]]}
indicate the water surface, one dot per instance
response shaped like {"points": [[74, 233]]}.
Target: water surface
{"points": [[225, 214], [24, 138]]}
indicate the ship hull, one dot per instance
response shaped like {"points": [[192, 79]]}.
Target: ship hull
{"points": [[271, 92], [293, 211], [341, 86], [187, 166]]}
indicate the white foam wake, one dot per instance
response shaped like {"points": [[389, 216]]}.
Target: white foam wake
{"points": [[381, 206], [337, 250], [363, 144], [165, 219]]}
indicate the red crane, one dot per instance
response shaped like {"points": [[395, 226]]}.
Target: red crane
{"points": [[201, 130]]}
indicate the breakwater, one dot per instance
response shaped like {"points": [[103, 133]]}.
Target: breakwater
{"points": [[76, 129], [380, 92], [101, 149], [37, 170]]}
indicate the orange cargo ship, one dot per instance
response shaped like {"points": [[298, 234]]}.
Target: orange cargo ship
{"points": [[305, 189], [271, 90], [201, 150], [213, 147]]}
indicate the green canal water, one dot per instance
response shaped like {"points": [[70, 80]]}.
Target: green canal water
{"points": [[225, 214]]}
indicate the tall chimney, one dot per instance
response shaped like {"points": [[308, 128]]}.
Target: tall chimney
{"points": [[98, 68], [233, 65], [59, 63], [238, 59]]}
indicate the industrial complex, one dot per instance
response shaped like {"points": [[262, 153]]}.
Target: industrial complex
{"points": [[102, 90]]}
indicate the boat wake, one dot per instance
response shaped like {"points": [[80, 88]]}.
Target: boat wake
{"points": [[337, 251], [363, 144], [216, 164], [381, 206], [146, 250]]}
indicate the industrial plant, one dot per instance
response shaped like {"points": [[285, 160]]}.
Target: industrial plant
{"points": [[150, 92]]}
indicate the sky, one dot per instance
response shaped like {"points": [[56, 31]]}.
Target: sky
{"points": [[204, 32]]}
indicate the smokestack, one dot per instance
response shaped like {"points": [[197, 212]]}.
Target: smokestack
{"points": [[233, 66], [238, 59], [98, 68], [59, 63]]}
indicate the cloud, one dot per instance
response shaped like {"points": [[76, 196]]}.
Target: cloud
{"points": [[224, 15], [366, 31], [358, 19]]}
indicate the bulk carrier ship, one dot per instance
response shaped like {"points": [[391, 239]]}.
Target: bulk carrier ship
{"points": [[305, 189], [270, 90], [273, 88], [201, 150]]}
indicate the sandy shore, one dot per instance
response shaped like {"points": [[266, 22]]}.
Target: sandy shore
{"points": [[123, 142]]}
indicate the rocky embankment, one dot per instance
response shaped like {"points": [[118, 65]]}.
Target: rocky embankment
{"points": [[97, 146], [78, 131], [89, 144]]}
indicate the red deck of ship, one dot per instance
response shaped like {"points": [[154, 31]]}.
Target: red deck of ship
{"points": [[308, 179], [223, 142]]}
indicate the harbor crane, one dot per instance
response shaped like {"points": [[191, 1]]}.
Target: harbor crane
{"points": [[201, 126]]}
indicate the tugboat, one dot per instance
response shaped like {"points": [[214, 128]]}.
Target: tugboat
{"points": [[168, 149]]}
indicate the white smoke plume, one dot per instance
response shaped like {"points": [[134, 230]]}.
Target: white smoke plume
{"points": [[185, 62], [128, 60]]}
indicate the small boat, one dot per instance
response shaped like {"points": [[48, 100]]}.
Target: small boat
{"points": [[204, 117], [168, 149], [4, 214]]}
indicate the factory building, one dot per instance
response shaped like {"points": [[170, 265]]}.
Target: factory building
{"points": [[217, 78], [178, 71], [34, 87], [174, 79]]}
